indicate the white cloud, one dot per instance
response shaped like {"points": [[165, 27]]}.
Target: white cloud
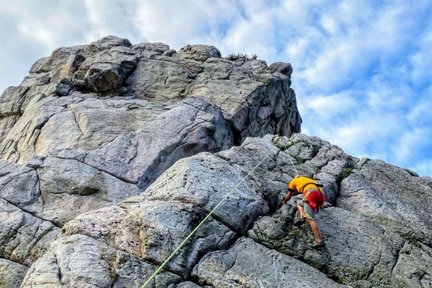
{"points": [[110, 17], [350, 38], [421, 60], [421, 112], [411, 143], [31, 30], [327, 107], [52, 24], [423, 167], [182, 22]]}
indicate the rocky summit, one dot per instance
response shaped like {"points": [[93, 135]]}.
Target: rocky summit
{"points": [[112, 154]]}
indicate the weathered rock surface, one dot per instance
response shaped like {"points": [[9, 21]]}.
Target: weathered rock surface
{"points": [[392, 196], [113, 153], [152, 230], [94, 124], [249, 264], [251, 241], [81, 261], [11, 273], [23, 237], [255, 99]]}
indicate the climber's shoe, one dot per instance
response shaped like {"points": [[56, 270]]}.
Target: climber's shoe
{"points": [[317, 245]]}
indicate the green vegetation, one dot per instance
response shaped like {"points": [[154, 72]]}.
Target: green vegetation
{"points": [[346, 172]]}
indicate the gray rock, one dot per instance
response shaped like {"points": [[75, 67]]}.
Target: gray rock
{"points": [[11, 101], [186, 284], [64, 88], [59, 73], [391, 196], [18, 185], [140, 157], [96, 141], [198, 52], [23, 237], [157, 48], [182, 195], [413, 267], [356, 249], [63, 267], [19, 145], [152, 230], [11, 273], [91, 124], [231, 86], [103, 77], [280, 67], [249, 264], [67, 70], [109, 42], [163, 81], [248, 96], [106, 71], [6, 125], [67, 183], [53, 123], [77, 188], [258, 66], [204, 180], [361, 250], [169, 53]]}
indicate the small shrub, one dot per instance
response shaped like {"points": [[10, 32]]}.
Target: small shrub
{"points": [[346, 172]]}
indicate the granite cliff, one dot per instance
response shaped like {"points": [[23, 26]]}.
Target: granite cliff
{"points": [[112, 153]]}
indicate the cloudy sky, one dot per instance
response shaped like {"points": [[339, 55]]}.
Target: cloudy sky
{"points": [[362, 69]]}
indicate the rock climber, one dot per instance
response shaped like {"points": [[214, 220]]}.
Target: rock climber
{"points": [[313, 200]]}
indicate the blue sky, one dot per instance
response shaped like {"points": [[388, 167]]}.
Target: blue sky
{"points": [[362, 69]]}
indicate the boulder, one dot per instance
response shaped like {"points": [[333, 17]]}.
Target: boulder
{"points": [[391, 196], [140, 157], [280, 67], [361, 251], [81, 261], [23, 236], [103, 77], [77, 188], [249, 264], [413, 267], [198, 52], [151, 230], [11, 273], [357, 250]]}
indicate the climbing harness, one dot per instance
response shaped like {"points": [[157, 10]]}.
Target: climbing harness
{"points": [[162, 266]]}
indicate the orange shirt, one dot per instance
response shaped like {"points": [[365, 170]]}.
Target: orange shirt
{"points": [[300, 185]]}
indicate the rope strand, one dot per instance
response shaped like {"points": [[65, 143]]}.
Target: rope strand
{"points": [[151, 278], [297, 174]]}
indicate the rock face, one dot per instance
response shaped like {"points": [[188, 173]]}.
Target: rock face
{"points": [[95, 124], [113, 153], [251, 240]]}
